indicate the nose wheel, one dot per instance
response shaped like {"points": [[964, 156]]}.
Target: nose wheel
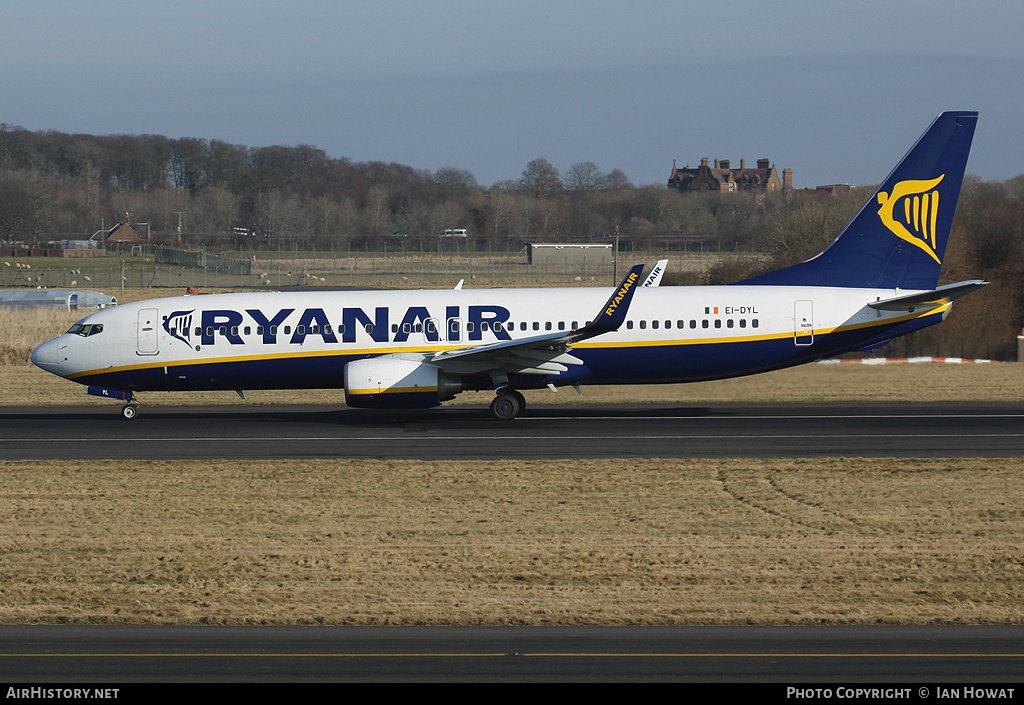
{"points": [[131, 409], [507, 404]]}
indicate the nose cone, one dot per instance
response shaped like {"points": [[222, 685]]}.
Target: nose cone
{"points": [[48, 356]]}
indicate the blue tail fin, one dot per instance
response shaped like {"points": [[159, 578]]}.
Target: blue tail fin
{"points": [[898, 238]]}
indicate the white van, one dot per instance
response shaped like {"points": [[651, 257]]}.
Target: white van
{"points": [[454, 233]]}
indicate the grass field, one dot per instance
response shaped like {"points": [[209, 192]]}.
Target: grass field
{"points": [[653, 542]]}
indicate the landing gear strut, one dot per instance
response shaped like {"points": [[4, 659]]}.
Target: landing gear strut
{"points": [[507, 405]]}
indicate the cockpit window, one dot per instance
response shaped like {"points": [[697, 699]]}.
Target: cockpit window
{"points": [[86, 330]]}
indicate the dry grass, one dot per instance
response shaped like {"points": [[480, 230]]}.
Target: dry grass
{"points": [[660, 542], [918, 383], [21, 330]]}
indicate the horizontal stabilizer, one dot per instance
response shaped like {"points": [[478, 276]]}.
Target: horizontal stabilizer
{"points": [[929, 299]]}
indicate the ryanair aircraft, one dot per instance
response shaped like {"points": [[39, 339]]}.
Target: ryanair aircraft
{"points": [[403, 349]]}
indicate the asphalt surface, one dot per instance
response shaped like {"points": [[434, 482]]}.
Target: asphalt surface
{"points": [[967, 656], [596, 431]]}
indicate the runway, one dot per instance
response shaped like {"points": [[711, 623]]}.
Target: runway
{"points": [[956, 656], [542, 432]]}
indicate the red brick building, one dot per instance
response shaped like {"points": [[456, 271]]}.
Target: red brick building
{"points": [[722, 177]]}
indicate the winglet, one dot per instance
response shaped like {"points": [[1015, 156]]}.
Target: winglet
{"points": [[609, 319], [614, 311], [657, 271]]}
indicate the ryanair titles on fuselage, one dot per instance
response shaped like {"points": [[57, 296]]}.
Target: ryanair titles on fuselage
{"points": [[316, 322]]}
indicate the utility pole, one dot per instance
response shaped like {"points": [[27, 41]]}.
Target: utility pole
{"points": [[615, 259]]}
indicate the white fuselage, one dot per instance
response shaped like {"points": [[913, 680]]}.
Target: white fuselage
{"points": [[303, 340]]}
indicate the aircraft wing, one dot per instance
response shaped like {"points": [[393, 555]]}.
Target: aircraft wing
{"points": [[929, 299], [541, 354]]}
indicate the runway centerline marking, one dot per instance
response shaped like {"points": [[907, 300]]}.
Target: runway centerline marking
{"points": [[669, 436], [429, 654]]}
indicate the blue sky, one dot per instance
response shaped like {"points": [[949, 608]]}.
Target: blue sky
{"points": [[837, 92]]}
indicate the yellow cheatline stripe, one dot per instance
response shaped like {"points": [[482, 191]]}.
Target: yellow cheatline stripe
{"points": [[521, 654], [772, 336], [393, 390], [437, 348]]}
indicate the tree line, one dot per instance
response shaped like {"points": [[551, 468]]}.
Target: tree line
{"points": [[55, 185]]}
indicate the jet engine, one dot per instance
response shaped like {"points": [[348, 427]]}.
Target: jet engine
{"points": [[394, 382]]}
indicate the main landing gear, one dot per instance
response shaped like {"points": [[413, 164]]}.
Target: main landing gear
{"points": [[507, 404]]}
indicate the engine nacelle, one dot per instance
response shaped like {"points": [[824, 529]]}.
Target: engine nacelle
{"points": [[393, 382]]}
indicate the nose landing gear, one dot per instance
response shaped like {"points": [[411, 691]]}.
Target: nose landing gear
{"points": [[130, 408]]}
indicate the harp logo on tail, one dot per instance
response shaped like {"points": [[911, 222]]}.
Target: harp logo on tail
{"points": [[911, 212]]}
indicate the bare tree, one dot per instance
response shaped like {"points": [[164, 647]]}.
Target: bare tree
{"points": [[540, 179], [584, 176], [616, 180]]}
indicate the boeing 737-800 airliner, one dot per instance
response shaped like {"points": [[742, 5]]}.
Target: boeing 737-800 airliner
{"points": [[402, 349]]}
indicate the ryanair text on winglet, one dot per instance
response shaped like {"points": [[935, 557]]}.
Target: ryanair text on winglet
{"points": [[626, 285]]}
